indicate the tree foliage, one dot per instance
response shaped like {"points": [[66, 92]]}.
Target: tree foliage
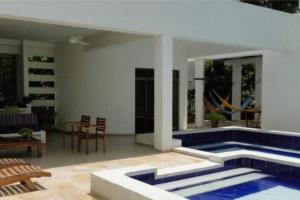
{"points": [[290, 6]]}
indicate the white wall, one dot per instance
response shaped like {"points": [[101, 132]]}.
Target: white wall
{"points": [[280, 91], [101, 81], [222, 22]]}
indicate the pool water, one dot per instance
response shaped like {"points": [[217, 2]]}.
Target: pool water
{"points": [[238, 183]]}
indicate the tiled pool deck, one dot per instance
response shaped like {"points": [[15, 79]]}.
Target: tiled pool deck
{"points": [[71, 170]]}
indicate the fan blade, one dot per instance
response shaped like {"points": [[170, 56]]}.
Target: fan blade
{"points": [[76, 37], [83, 43]]}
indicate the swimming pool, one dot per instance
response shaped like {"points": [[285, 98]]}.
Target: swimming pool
{"points": [[233, 181], [238, 163], [275, 154]]}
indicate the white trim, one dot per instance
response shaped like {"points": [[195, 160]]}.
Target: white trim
{"points": [[10, 42], [233, 55], [235, 128], [116, 184]]}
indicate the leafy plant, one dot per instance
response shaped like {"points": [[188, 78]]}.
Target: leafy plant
{"points": [[26, 133], [289, 6], [213, 116]]}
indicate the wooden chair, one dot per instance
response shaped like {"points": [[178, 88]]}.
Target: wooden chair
{"points": [[70, 129], [100, 133], [83, 131], [22, 174]]}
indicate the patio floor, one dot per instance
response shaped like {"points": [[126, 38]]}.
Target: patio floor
{"points": [[71, 170]]}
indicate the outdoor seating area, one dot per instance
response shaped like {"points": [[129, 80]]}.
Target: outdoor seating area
{"points": [[83, 130]]}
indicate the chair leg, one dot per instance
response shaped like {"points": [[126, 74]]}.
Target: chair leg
{"points": [[96, 144], [78, 144], [64, 140], [87, 146], [104, 144], [28, 184], [72, 142]]}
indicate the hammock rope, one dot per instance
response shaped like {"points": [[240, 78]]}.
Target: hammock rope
{"points": [[219, 107], [246, 103], [211, 107]]}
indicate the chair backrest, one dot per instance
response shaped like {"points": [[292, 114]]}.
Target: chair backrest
{"points": [[101, 124], [85, 121]]}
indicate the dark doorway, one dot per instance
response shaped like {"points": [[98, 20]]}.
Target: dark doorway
{"points": [[175, 100], [144, 100]]}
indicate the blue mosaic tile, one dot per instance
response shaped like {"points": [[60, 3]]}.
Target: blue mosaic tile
{"points": [[284, 171], [259, 164], [271, 168]]}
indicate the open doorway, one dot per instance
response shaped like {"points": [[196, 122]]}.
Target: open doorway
{"points": [[232, 92], [144, 100]]}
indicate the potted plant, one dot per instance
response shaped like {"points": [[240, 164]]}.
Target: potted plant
{"points": [[26, 133], [215, 118]]}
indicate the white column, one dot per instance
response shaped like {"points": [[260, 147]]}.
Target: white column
{"points": [[199, 89], [258, 81], [237, 87], [163, 78], [25, 51], [183, 98]]}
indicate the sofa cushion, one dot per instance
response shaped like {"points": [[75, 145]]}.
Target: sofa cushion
{"points": [[15, 122]]}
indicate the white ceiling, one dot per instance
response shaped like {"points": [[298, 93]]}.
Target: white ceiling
{"points": [[14, 29]]}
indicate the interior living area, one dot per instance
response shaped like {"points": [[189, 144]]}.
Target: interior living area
{"points": [[97, 103]]}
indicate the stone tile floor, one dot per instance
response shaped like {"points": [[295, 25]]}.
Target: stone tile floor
{"points": [[71, 170]]}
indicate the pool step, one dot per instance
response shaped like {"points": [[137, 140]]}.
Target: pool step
{"points": [[216, 185], [205, 178]]}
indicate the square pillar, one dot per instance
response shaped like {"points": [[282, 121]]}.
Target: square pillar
{"points": [[163, 86], [183, 98], [199, 91], [258, 85], [258, 81], [236, 88]]}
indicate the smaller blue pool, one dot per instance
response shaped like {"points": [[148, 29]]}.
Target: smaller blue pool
{"points": [[242, 179]]}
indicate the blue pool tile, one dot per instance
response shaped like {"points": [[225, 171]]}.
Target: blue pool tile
{"points": [[271, 168], [245, 162], [258, 164], [295, 172], [284, 171], [296, 143]]}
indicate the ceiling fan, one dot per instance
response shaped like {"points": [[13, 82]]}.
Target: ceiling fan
{"points": [[78, 40], [74, 40]]}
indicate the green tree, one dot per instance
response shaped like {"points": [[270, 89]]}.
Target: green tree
{"points": [[290, 6]]}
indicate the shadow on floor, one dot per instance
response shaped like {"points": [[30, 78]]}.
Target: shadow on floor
{"points": [[10, 190]]}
